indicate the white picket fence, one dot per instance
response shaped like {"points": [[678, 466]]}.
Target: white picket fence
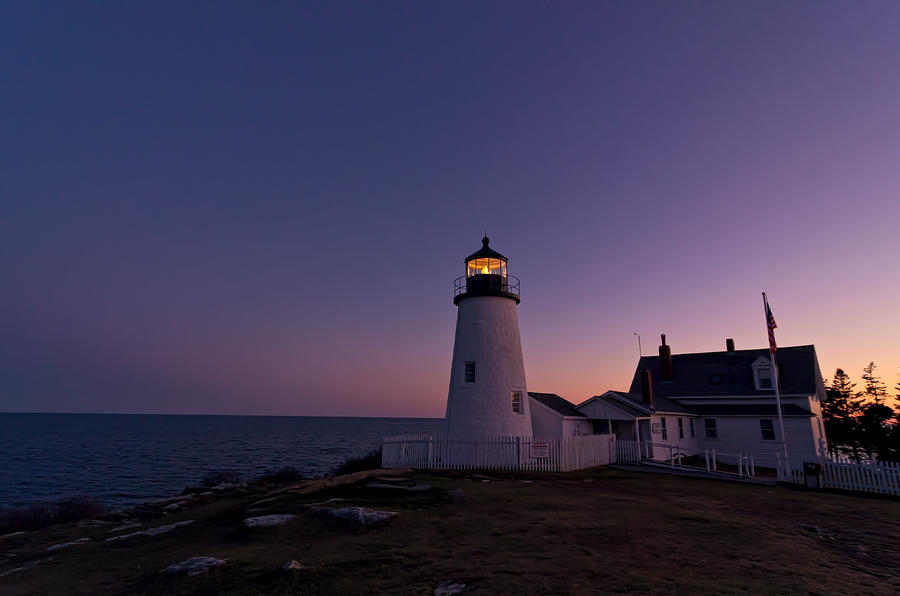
{"points": [[869, 476], [880, 477], [532, 454]]}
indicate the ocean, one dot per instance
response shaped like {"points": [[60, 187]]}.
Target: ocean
{"points": [[126, 459]]}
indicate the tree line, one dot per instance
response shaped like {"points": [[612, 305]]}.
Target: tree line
{"points": [[862, 423]]}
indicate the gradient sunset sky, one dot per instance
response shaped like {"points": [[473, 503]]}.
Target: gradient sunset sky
{"points": [[260, 208]]}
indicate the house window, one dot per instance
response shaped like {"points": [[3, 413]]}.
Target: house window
{"points": [[470, 372], [662, 426], [712, 432], [763, 377], [681, 428], [767, 427], [517, 402], [691, 421]]}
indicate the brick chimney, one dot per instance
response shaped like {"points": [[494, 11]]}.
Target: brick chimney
{"points": [[729, 345], [665, 360], [647, 387]]}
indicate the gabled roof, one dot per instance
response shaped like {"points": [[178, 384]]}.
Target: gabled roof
{"points": [[622, 404], [749, 410], [557, 404], [633, 405], [660, 404], [695, 374]]}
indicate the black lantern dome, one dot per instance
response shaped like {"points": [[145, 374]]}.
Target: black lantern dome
{"points": [[486, 275]]}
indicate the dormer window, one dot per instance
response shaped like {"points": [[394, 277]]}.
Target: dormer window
{"points": [[763, 378]]}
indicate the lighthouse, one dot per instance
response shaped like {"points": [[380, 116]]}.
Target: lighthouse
{"points": [[488, 396]]}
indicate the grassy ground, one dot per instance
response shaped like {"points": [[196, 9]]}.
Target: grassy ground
{"points": [[598, 531]]}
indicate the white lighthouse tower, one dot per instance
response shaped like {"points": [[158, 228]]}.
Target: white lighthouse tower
{"points": [[487, 378]]}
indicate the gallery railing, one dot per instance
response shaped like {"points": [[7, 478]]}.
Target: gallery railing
{"points": [[486, 285]]}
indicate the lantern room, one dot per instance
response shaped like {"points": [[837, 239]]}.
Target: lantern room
{"points": [[486, 275]]}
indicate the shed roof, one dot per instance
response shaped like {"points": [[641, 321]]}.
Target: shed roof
{"points": [[557, 404], [729, 373]]}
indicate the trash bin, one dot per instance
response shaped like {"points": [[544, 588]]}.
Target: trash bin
{"points": [[812, 471]]}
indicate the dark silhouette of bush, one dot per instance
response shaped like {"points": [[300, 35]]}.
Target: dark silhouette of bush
{"points": [[221, 477], [286, 475], [369, 461], [41, 515]]}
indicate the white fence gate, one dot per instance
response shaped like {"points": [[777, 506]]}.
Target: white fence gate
{"points": [[533, 454]]}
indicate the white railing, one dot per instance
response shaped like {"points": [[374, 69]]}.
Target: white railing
{"points": [[674, 455], [533, 454]]}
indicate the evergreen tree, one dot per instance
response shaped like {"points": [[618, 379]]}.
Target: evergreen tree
{"points": [[892, 452], [840, 413], [875, 433], [897, 395], [875, 389]]}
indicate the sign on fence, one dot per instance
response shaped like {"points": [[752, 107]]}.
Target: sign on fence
{"points": [[539, 451]]}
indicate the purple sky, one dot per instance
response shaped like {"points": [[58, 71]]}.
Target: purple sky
{"points": [[260, 208]]}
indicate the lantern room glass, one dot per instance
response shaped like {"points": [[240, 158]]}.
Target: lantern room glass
{"points": [[486, 266]]}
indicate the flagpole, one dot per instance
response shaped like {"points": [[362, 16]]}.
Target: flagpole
{"points": [[775, 380]]}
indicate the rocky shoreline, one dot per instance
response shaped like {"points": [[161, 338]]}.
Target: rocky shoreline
{"points": [[143, 521], [406, 532]]}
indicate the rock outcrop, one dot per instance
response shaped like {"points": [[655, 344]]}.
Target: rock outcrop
{"points": [[153, 531], [194, 565], [360, 515], [265, 521]]}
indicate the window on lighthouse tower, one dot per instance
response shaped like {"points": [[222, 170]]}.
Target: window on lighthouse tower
{"points": [[470, 371], [517, 402]]}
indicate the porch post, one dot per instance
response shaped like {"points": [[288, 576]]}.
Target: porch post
{"points": [[637, 435]]}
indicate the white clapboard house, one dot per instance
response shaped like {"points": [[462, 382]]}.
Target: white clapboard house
{"points": [[722, 401]]}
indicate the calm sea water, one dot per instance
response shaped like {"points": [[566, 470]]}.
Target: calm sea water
{"points": [[123, 459]]}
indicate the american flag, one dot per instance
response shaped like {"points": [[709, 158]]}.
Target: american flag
{"points": [[770, 323]]}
